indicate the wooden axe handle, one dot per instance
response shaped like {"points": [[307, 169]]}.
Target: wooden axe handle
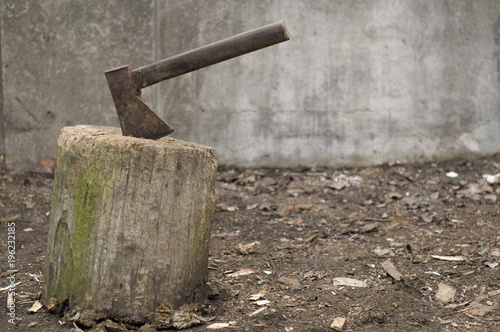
{"points": [[210, 54]]}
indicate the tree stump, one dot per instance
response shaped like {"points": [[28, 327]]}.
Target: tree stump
{"points": [[130, 222]]}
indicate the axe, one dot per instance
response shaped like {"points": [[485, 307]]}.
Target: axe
{"points": [[125, 83]]}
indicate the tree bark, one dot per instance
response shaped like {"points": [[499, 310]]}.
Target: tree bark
{"points": [[130, 222]]}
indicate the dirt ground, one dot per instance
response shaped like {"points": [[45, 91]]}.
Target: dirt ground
{"points": [[387, 248]]}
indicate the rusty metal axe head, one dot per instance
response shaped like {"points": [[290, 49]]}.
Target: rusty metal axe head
{"points": [[136, 117]]}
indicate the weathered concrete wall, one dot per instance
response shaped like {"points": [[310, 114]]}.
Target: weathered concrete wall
{"points": [[360, 82], [54, 57], [2, 117]]}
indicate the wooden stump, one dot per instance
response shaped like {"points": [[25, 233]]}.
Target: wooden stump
{"points": [[130, 222]]}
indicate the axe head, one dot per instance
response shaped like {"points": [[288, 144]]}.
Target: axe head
{"points": [[136, 116]]}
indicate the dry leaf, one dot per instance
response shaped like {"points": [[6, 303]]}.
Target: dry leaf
{"points": [[283, 213], [246, 249], [240, 250]]}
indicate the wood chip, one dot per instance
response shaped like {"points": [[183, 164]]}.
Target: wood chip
{"points": [[491, 264], [477, 309], [11, 218], [283, 213], [225, 207], [304, 206], [241, 273], [392, 271], [338, 324], [10, 286], [450, 258], [216, 326], [382, 252], [311, 238], [490, 197], [256, 312], [290, 282], [9, 272], [294, 192], [255, 297], [369, 227], [445, 293], [341, 281], [35, 307], [251, 207]]}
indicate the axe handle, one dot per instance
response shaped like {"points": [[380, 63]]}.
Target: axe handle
{"points": [[210, 54]]}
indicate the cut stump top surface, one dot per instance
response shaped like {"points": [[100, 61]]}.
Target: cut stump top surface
{"points": [[114, 136]]}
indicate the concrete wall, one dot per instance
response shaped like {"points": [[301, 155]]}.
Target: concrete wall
{"points": [[360, 82]]}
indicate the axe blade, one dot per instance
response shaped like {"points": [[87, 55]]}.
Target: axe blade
{"points": [[136, 116]]}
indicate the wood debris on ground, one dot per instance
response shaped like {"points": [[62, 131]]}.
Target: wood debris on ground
{"points": [[313, 245], [392, 271]]}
